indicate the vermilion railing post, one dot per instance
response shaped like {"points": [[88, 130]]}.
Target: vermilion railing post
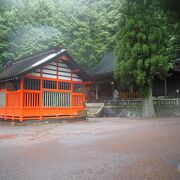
{"points": [[6, 104], [21, 98], [84, 95], [41, 94], [57, 75], [71, 96]]}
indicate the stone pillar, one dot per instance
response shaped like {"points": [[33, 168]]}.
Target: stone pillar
{"points": [[97, 89], [165, 87]]}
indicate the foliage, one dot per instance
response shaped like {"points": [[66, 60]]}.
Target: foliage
{"points": [[172, 9], [85, 28], [142, 43]]}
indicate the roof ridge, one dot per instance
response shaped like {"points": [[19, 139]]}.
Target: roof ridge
{"points": [[44, 51], [32, 56]]}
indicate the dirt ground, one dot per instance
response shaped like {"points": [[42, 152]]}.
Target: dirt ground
{"points": [[97, 149]]}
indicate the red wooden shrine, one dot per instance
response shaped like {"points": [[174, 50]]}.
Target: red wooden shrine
{"points": [[46, 85]]}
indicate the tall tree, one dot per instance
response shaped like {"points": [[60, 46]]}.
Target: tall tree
{"points": [[141, 48], [4, 31]]}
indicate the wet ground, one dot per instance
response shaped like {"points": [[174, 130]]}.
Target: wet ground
{"points": [[97, 149]]}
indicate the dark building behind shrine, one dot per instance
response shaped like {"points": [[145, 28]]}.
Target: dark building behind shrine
{"points": [[105, 83]]}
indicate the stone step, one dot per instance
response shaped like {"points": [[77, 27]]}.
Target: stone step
{"points": [[93, 109]]}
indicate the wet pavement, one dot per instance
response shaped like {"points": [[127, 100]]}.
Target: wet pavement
{"points": [[97, 149]]}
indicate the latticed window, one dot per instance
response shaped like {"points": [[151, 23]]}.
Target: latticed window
{"points": [[49, 84], [2, 86], [11, 86], [56, 99], [77, 88], [32, 84], [2, 99], [16, 84], [77, 100], [64, 85]]}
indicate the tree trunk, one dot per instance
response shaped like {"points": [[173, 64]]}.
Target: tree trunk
{"points": [[148, 106]]}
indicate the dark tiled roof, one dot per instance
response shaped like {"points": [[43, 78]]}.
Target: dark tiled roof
{"points": [[177, 60], [23, 66], [106, 66], [176, 64]]}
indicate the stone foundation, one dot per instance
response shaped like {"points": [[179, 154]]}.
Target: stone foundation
{"points": [[163, 108], [122, 111]]}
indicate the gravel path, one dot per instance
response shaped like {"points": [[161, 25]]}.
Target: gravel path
{"points": [[97, 149]]}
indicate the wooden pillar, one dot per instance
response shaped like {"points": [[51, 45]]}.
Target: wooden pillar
{"points": [[165, 87], [112, 89], [21, 98], [41, 95], [97, 91], [57, 83], [84, 96], [6, 103], [71, 95]]}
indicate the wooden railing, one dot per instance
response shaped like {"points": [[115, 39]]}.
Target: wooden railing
{"points": [[13, 99], [2, 99], [31, 99], [53, 99], [78, 100], [128, 95]]}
